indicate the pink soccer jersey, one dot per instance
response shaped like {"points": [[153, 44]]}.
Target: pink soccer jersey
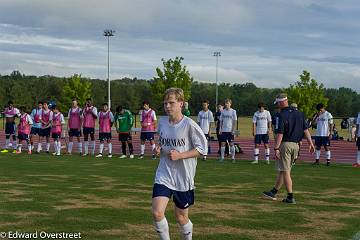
{"points": [[105, 120], [89, 117], [25, 124], [74, 118]]}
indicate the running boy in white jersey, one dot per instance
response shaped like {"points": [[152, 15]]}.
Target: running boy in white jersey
{"points": [[74, 126], [205, 118], [10, 128], [261, 128], [24, 129], [148, 127], [46, 118], [228, 121], [181, 141], [106, 119], [56, 129], [36, 127], [89, 118], [324, 128], [357, 164]]}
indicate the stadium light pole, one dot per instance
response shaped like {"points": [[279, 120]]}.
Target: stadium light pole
{"points": [[108, 33], [217, 55]]}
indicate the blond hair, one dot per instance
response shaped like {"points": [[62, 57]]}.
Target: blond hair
{"points": [[177, 92]]}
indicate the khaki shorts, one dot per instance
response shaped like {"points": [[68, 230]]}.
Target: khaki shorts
{"points": [[288, 152]]}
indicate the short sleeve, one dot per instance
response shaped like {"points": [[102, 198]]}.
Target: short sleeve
{"points": [[29, 119], [234, 116], [154, 115], [211, 117], [254, 118], [269, 116], [331, 119], [198, 138]]}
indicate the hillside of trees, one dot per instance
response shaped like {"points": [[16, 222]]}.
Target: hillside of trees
{"points": [[28, 90]]}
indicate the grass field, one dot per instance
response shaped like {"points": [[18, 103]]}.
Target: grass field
{"points": [[111, 199]]}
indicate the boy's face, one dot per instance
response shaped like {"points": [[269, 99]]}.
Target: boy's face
{"points": [[45, 105], [88, 103], [74, 103], [227, 105], [146, 106], [205, 106], [220, 107], [172, 106], [105, 108], [261, 109], [40, 106]]}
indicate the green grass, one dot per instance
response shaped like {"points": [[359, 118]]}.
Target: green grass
{"points": [[111, 199]]}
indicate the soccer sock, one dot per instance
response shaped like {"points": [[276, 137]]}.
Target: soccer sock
{"points": [[267, 154], [123, 148], [39, 148], [14, 145], [358, 157], [317, 154], [29, 147], [59, 147], [19, 146], [162, 228], [142, 149], [186, 231], [131, 149], [153, 147], [55, 146], [93, 147], [47, 146], [222, 152], [7, 143], [70, 147], [328, 155], [232, 148], [86, 147], [110, 148], [80, 147], [101, 148], [256, 154]]}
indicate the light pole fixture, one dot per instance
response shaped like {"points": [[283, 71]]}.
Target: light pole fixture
{"points": [[108, 33], [217, 55]]}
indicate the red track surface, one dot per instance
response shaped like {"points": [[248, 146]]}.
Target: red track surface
{"points": [[341, 151]]}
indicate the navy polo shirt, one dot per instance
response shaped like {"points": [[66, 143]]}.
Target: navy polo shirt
{"points": [[292, 124]]}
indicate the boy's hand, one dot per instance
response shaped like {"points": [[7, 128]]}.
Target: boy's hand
{"points": [[174, 155], [157, 150]]}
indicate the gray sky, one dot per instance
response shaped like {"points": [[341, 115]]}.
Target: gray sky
{"points": [[267, 42]]}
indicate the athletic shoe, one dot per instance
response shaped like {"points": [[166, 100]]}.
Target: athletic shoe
{"points": [[85, 154], [294, 162], [267, 162], [122, 156], [356, 165], [5, 151], [54, 153], [58, 154], [30, 152], [15, 151], [153, 157], [269, 196], [80, 153], [328, 163], [288, 200], [47, 152], [110, 155], [99, 155], [255, 162], [204, 158], [131, 155], [233, 161], [315, 163], [141, 156]]}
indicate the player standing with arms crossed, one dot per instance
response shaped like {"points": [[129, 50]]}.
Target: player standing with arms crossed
{"points": [[205, 118], [148, 126], [24, 129], [10, 128], [46, 118], [106, 119], [74, 126], [181, 141], [228, 121], [89, 119], [56, 129]]}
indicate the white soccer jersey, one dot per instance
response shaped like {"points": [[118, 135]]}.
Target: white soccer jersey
{"points": [[227, 119], [261, 119], [322, 124], [37, 112], [204, 120], [358, 123], [183, 136]]}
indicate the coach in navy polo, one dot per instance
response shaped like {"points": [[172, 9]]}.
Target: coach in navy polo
{"points": [[292, 128]]}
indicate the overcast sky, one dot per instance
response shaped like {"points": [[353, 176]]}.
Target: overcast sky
{"points": [[267, 42]]}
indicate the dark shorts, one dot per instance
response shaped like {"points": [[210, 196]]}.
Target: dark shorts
{"points": [[226, 137], [182, 200], [87, 131], [104, 136], [23, 137], [74, 132], [147, 136], [358, 143], [35, 131], [261, 138], [45, 132], [123, 137], [55, 136], [10, 128], [322, 141]]}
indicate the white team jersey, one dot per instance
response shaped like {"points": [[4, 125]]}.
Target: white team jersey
{"points": [[33, 113], [323, 122], [261, 119], [204, 120], [183, 136], [227, 119], [358, 123]]}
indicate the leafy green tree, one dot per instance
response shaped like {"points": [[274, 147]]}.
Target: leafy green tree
{"points": [[174, 74], [306, 93], [76, 87]]}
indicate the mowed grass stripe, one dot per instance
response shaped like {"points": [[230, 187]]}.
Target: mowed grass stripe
{"points": [[111, 199]]}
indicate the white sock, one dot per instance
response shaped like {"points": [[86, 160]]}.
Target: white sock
{"points": [[70, 147], [153, 147], [7, 143], [14, 145], [19, 146], [86, 147], [256, 154], [328, 155], [162, 228], [47, 146], [222, 151], [101, 148], [317, 154], [80, 147], [186, 231], [267, 154], [29, 147], [39, 148], [59, 147], [232, 149], [55, 146], [142, 149], [110, 148], [93, 147], [358, 157]]}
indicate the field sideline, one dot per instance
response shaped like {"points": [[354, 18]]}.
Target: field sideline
{"points": [[111, 199]]}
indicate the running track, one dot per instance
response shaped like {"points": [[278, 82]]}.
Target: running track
{"points": [[341, 151]]}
